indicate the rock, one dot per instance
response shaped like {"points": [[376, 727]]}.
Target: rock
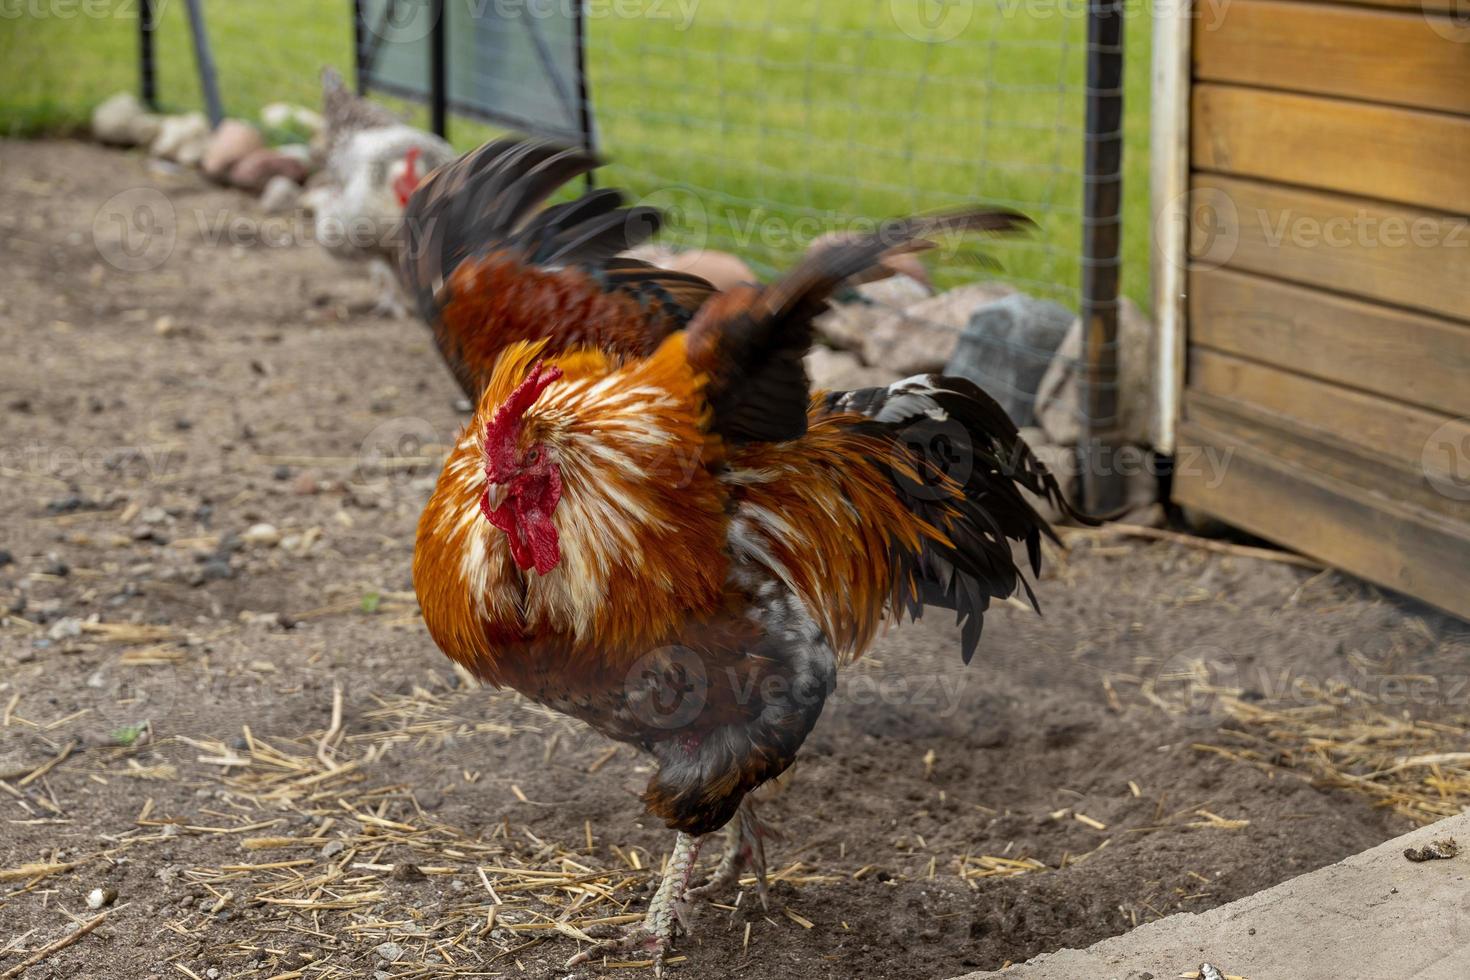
{"points": [[922, 337], [253, 171], [407, 871], [720, 268], [230, 142], [281, 195], [143, 532], [1006, 349], [284, 115], [332, 848], [836, 370], [123, 121], [164, 326], [299, 151], [65, 505], [100, 898], [850, 321], [391, 952], [1058, 397], [181, 139], [261, 536], [215, 569], [66, 628]]}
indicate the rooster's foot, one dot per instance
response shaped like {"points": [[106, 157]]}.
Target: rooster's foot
{"points": [[669, 910], [389, 303], [745, 850]]}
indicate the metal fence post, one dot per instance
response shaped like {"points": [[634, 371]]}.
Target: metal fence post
{"points": [[1102, 221], [359, 40], [147, 70], [204, 60], [438, 70]]}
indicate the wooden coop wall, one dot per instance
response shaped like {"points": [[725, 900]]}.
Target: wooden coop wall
{"points": [[1328, 284]]}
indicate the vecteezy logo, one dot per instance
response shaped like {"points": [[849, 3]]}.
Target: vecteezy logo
{"points": [[1211, 226], [1446, 459], [1194, 684], [940, 456], [398, 451], [932, 21], [667, 688], [685, 217], [399, 21], [136, 231], [1451, 21]]}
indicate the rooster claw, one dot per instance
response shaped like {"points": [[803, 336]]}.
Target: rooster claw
{"points": [[668, 911], [641, 938]]}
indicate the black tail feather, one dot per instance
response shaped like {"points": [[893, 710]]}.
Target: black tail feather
{"points": [[970, 466]]}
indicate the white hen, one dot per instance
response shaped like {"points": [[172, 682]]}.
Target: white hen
{"points": [[374, 162]]}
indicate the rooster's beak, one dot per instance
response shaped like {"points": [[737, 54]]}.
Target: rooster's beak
{"points": [[494, 495]]}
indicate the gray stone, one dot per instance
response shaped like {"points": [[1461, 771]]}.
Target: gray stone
{"points": [[1006, 348], [837, 370], [922, 336], [181, 139], [856, 314], [123, 121], [1059, 408]]}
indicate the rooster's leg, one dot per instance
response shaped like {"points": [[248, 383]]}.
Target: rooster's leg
{"points": [[670, 907], [389, 304], [745, 850]]}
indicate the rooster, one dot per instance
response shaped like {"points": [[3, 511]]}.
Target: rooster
{"points": [[652, 525], [374, 161]]}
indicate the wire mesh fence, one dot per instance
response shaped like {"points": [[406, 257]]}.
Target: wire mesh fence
{"points": [[759, 125]]}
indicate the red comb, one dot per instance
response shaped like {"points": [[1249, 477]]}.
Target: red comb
{"points": [[500, 431], [408, 181]]}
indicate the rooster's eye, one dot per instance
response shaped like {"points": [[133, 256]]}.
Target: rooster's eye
{"points": [[533, 456]]}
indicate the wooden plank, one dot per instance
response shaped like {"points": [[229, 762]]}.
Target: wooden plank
{"points": [[1423, 491], [1402, 155], [1355, 421], [1412, 59], [1169, 199], [1319, 514], [1417, 359], [1377, 252]]}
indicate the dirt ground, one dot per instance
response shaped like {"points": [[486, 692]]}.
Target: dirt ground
{"points": [[1162, 739]]}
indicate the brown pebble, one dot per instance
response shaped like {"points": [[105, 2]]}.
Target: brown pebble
{"points": [[404, 871]]}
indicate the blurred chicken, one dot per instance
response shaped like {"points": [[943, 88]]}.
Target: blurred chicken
{"points": [[373, 163], [652, 525]]}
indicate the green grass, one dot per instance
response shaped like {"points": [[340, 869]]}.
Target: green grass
{"points": [[762, 122]]}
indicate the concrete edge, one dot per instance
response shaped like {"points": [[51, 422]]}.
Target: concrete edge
{"points": [[1375, 914]]}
